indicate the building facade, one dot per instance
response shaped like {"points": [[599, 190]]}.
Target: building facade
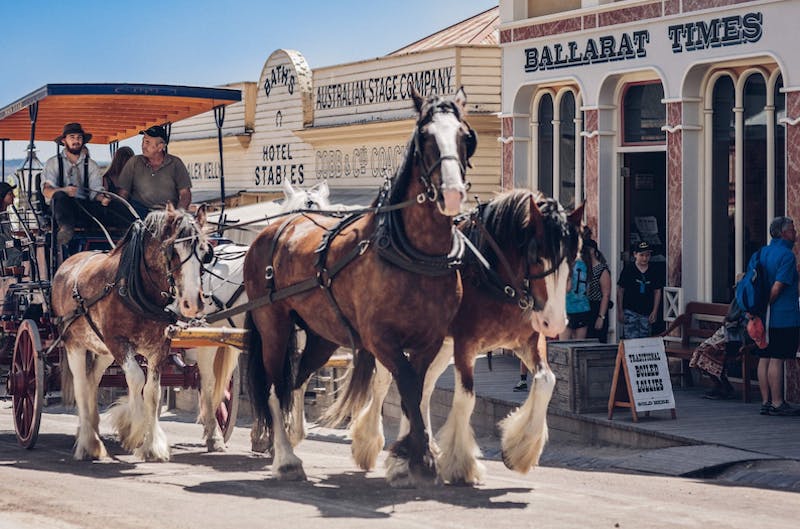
{"points": [[348, 124], [676, 121]]}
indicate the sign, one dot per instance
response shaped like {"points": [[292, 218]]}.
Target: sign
{"points": [[604, 49], [641, 378]]}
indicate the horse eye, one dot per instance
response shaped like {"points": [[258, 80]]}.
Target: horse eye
{"points": [[208, 256]]}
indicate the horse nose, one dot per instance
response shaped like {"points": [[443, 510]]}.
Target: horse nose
{"points": [[192, 310]]}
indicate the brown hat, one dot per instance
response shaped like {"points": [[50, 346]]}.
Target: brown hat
{"points": [[5, 188], [73, 128]]}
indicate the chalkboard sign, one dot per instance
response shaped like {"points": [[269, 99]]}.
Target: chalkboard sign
{"points": [[641, 378]]}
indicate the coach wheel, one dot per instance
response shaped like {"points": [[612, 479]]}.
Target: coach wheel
{"points": [[229, 407], [26, 383]]}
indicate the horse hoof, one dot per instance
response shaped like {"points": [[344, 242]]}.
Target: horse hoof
{"points": [[290, 473], [260, 446], [215, 445], [401, 475]]}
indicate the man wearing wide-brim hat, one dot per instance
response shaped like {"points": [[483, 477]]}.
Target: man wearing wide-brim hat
{"points": [[72, 183], [155, 177]]}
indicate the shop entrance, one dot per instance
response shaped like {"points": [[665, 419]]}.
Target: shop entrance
{"points": [[644, 208]]}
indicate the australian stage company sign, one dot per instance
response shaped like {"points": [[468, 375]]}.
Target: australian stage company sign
{"points": [[384, 89]]}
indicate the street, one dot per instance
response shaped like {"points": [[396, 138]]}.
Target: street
{"points": [[46, 488]]}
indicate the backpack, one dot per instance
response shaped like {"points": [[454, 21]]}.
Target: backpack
{"points": [[752, 292]]}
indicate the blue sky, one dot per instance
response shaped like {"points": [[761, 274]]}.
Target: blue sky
{"points": [[198, 42]]}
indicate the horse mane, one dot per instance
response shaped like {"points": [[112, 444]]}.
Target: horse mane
{"points": [[132, 250], [507, 218]]}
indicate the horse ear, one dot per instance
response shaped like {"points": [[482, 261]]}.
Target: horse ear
{"points": [[576, 217], [418, 101], [200, 216], [324, 190], [288, 190], [537, 219], [460, 98]]}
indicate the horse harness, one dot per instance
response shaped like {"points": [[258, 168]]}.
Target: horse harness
{"points": [[493, 283], [129, 283]]}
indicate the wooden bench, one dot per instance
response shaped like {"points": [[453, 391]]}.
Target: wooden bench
{"points": [[698, 322]]}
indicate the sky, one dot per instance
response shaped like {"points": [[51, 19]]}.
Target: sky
{"points": [[197, 42]]}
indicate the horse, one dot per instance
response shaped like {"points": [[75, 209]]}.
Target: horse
{"points": [[385, 282], [530, 244], [111, 307], [223, 289]]}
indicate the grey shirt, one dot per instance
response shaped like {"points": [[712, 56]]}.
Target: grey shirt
{"points": [[153, 188], [73, 173]]}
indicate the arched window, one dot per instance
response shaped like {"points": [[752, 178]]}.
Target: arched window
{"points": [[644, 114], [723, 189], [747, 184], [545, 145], [755, 165], [566, 151]]}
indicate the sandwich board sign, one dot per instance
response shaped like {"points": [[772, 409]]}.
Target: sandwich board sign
{"points": [[641, 378]]}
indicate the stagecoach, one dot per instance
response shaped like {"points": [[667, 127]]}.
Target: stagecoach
{"points": [[31, 352]]}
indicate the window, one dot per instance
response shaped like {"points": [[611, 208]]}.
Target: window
{"points": [[643, 114], [559, 146], [545, 145]]}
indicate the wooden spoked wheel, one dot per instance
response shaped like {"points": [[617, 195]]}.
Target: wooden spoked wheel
{"points": [[26, 382], [229, 407]]}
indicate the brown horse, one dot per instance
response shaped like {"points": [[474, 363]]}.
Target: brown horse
{"points": [[111, 306], [530, 245], [385, 282]]}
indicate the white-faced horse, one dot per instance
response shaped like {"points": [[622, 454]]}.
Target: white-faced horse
{"points": [[530, 244], [223, 289], [383, 281], [111, 306]]}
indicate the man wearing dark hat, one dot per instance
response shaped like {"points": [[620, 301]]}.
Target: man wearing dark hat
{"points": [[638, 294], [153, 178], [10, 253], [71, 183]]}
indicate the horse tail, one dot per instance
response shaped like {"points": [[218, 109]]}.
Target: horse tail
{"points": [[67, 385], [226, 359], [354, 392], [257, 375]]}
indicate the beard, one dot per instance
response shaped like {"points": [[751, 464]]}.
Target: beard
{"points": [[74, 150]]}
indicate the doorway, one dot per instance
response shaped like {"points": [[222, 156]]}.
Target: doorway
{"points": [[645, 210]]}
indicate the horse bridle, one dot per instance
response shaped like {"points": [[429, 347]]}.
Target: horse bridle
{"points": [[431, 192]]}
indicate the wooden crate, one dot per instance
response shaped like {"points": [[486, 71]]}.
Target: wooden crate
{"points": [[584, 370]]}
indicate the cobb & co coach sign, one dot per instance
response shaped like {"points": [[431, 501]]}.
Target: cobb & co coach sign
{"points": [[641, 378]]}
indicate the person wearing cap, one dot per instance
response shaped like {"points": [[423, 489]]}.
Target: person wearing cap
{"points": [[155, 177], [638, 294], [782, 320], [11, 254], [72, 184]]}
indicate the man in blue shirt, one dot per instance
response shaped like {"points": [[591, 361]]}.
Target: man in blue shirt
{"points": [[783, 316]]}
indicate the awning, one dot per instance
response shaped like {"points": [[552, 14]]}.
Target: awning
{"points": [[110, 112]]}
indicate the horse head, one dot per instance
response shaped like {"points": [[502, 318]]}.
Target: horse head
{"points": [[184, 246], [443, 143], [551, 253], [315, 197]]}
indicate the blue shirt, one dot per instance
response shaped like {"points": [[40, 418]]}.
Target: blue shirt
{"points": [[780, 264], [577, 301]]}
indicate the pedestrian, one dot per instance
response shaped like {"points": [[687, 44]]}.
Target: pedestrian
{"points": [[578, 310], [782, 318], [638, 294], [117, 214], [151, 179], [598, 290], [11, 253], [72, 185]]}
